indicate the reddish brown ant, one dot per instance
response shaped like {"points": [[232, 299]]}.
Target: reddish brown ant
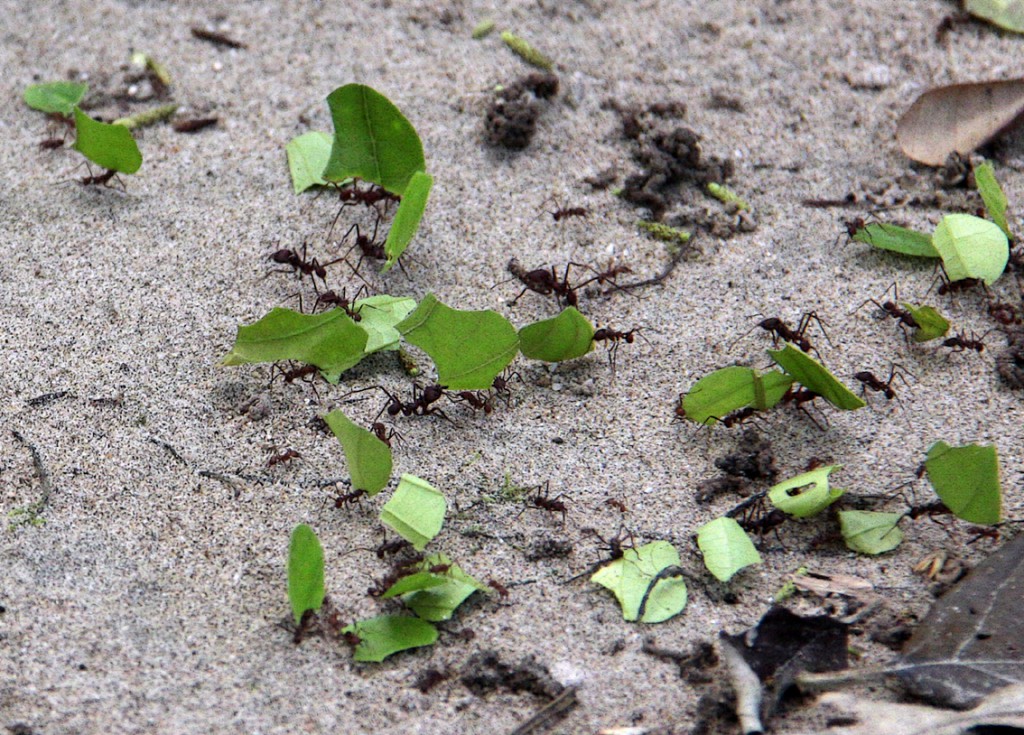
{"points": [[195, 124], [391, 547], [383, 433], [753, 517], [351, 638], [614, 338], [285, 456], [980, 532], [332, 298], [961, 343], [102, 179], [561, 212], [421, 404], [51, 144], [305, 625], [891, 308], [353, 195], [798, 397], [782, 331], [498, 587], [292, 374], [399, 570], [300, 265], [542, 500], [500, 386], [478, 400], [963, 284], [617, 504], [543, 281], [616, 545], [870, 380], [349, 498], [737, 417]]}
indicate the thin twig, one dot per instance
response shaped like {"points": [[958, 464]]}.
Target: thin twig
{"points": [[552, 711], [680, 252], [173, 452], [46, 487]]}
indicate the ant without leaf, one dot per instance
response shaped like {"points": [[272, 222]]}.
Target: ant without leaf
{"points": [[331, 299], [300, 265], [561, 212], [421, 403], [285, 456], [545, 281], [961, 343], [478, 400], [891, 308], [782, 331], [614, 338], [542, 500], [870, 380]]}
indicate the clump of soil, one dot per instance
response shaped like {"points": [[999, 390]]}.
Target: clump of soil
{"points": [[511, 118], [1010, 363], [752, 461], [484, 672]]}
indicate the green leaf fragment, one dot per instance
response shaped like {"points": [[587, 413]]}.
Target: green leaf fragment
{"points": [[726, 548], [870, 532], [812, 375], [435, 596], [665, 233], [372, 141], [369, 459], [109, 146], [56, 97], [305, 571], [564, 337], [469, 348], [330, 340], [416, 511], [385, 635], [726, 195], [806, 494], [307, 158], [526, 52], [483, 29], [990, 190], [1008, 14], [378, 316], [631, 578], [966, 479], [897, 239], [148, 117], [971, 247], [718, 394], [930, 323], [407, 218]]}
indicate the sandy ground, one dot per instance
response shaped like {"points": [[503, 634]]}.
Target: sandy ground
{"points": [[149, 600]]}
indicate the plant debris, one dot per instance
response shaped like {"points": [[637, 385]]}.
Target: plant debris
{"points": [[511, 118]]}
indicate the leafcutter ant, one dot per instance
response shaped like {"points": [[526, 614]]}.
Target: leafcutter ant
{"points": [[102, 179], [543, 281], [421, 404], [285, 456], [306, 623], [798, 397], [753, 517], [961, 343], [870, 380], [391, 547], [617, 504], [300, 265], [382, 432], [332, 298], [498, 587], [561, 212], [782, 331], [352, 195], [542, 500], [478, 400], [349, 498], [616, 545], [500, 386], [891, 308], [614, 338], [963, 284], [292, 374]]}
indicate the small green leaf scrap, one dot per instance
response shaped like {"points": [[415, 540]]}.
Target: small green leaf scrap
{"points": [[729, 389], [870, 532], [896, 239], [526, 52], [55, 97], [992, 193], [564, 337], [806, 494], [665, 233], [385, 635], [966, 479], [372, 140], [930, 323], [407, 218], [148, 117], [416, 511], [726, 195], [435, 595], [971, 247], [369, 459], [812, 375], [109, 146], [647, 582], [483, 29], [726, 548], [305, 571], [469, 348], [307, 158]]}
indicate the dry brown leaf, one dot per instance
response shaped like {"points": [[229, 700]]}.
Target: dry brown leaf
{"points": [[958, 118], [1002, 709], [837, 584]]}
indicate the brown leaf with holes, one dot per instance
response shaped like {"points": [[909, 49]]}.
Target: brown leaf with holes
{"points": [[958, 118]]}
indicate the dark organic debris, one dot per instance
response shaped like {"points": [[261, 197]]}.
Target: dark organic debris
{"points": [[1010, 362], [753, 460], [548, 547], [511, 118], [484, 672], [693, 664]]}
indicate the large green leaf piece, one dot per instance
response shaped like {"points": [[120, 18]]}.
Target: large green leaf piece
{"points": [[378, 316], [726, 548], [407, 218], [930, 323], [991, 192], [307, 157], [966, 479], [971, 247], [385, 635], [896, 239], [369, 459], [305, 571], [435, 596], [415, 511], [806, 494], [469, 348], [329, 340], [109, 146], [870, 532], [372, 140], [812, 375], [729, 389], [649, 577], [57, 97], [564, 337]]}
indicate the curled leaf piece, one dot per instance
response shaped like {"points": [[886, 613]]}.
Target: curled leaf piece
{"points": [[930, 323], [718, 394], [407, 218], [369, 459], [896, 239], [109, 146], [437, 589], [814, 376], [806, 494], [307, 157], [870, 532], [992, 195], [56, 97]]}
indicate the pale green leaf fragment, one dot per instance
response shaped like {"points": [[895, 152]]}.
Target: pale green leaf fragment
{"points": [[991, 192], [966, 479], [437, 602], [148, 117], [385, 635], [407, 218], [330, 340], [564, 337], [416, 511], [483, 29], [307, 158], [372, 140], [729, 389], [369, 459], [56, 97], [726, 195], [305, 571], [971, 247], [109, 146], [649, 577], [665, 233], [378, 317], [1008, 14], [896, 239], [870, 532], [806, 494], [726, 548], [930, 323], [469, 348], [812, 375], [526, 52]]}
